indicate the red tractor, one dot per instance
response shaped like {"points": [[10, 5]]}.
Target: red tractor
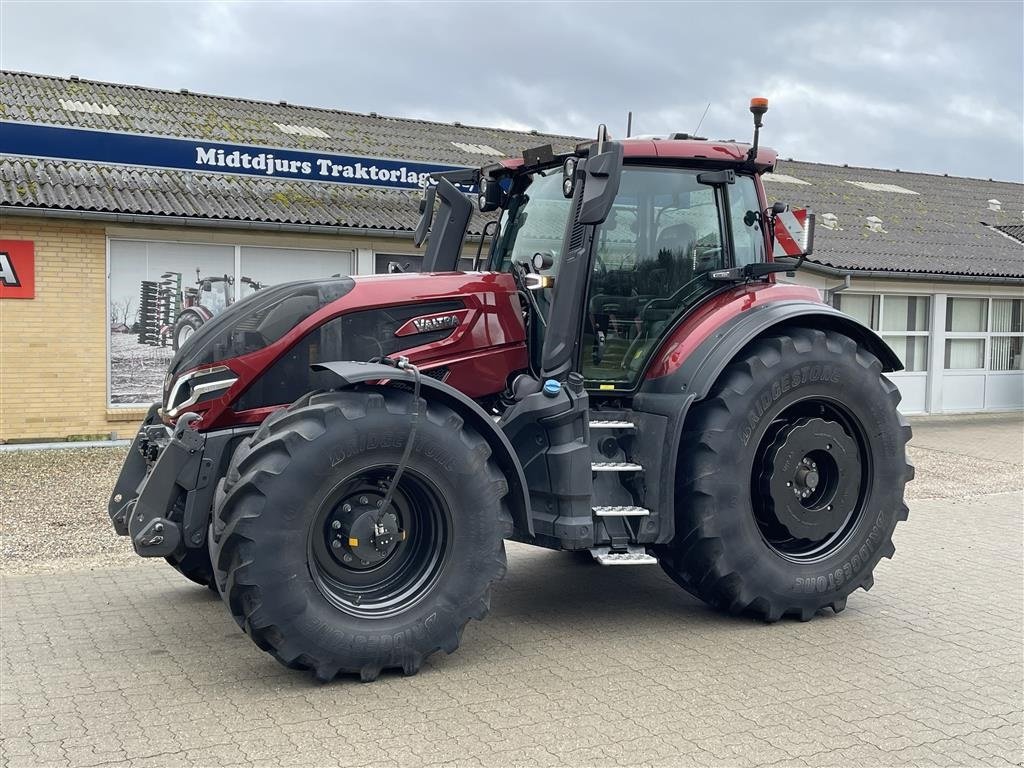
{"points": [[209, 297], [342, 459]]}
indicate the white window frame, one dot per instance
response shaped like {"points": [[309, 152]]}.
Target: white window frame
{"points": [[926, 334], [986, 336]]}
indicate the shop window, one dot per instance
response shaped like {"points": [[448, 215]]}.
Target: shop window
{"points": [[263, 266], [413, 262], [862, 306], [904, 322], [966, 315], [1007, 335], [160, 292], [150, 285], [965, 354], [1006, 354], [975, 325]]}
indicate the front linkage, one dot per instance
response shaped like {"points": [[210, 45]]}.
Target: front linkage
{"points": [[164, 493]]}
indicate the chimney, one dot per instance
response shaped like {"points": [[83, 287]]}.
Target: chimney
{"points": [[874, 224], [830, 221], [995, 205]]}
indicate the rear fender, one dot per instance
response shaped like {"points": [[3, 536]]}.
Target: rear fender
{"points": [[673, 394], [351, 373], [698, 372]]}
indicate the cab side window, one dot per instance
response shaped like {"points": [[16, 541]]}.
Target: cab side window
{"points": [[747, 236]]}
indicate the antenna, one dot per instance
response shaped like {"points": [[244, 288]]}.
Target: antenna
{"points": [[629, 124], [702, 118]]}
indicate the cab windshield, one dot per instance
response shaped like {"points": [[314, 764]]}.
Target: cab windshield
{"points": [[534, 222]]}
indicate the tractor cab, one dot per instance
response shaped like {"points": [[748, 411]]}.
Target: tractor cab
{"points": [[668, 231], [614, 243]]}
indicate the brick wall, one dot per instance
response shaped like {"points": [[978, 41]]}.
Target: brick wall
{"points": [[53, 376]]}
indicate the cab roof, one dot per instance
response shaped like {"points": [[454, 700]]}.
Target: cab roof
{"points": [[654, 148], [696, 149]]}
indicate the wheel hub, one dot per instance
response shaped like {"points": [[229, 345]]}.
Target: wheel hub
{"points": [[360, 535], [370, 561], [809, 482]]}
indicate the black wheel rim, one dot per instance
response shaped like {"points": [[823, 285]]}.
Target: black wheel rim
{"points": [[372, 562], [810, 479]]}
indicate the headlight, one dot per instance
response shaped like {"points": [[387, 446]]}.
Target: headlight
{"points": [[196, 386], [569, 176]]}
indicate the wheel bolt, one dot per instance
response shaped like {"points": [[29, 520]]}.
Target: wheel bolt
{"points": [[336, 524], [336, 544], [346, 507], [380, 502], [363, 500]]}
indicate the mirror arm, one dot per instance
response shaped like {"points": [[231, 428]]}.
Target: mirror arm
{"points": [[754, 271]]}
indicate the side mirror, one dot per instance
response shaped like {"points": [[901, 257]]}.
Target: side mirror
{"points": [[426, 216], [601, 175], [794, 232]]}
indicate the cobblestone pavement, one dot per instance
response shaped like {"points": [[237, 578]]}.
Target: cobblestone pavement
{"points": [[576, 665]]}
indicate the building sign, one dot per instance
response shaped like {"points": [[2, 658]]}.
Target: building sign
{"points": [[63, 143], [17, 269]]}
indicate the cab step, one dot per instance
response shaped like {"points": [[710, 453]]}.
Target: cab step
{"points": [[611, 424], [621, 511], [632, 556], [615, 466]]}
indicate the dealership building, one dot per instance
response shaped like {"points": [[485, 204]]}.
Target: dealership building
{"points": [[121, 207]]}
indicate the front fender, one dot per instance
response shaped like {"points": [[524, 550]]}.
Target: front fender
{"points": [[348, 373]]}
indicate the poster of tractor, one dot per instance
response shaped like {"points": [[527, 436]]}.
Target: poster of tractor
{"points": [[169, 313]]}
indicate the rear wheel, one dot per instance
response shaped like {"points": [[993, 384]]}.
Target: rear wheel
{"points": [[810, 426], [314, 567]]}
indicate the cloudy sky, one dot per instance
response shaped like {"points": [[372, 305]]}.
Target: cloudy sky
{"points": [[933, 87]]}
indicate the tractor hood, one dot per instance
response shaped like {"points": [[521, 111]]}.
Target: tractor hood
{"points": [[255, 322], [257, 353]]}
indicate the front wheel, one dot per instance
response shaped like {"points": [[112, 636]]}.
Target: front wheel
{"points": [[321, 572], [807, 427]]}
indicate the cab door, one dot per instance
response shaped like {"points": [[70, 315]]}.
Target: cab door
{"points": [[668, 229]]}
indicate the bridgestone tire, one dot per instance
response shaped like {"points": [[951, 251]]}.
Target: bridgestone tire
{"points": [[719, 552], [280, 481]]}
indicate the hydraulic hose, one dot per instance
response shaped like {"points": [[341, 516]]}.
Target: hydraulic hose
{"points": [[404, 364]]}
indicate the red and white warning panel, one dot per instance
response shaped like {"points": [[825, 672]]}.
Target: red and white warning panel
{"points": [[794, 233]]}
